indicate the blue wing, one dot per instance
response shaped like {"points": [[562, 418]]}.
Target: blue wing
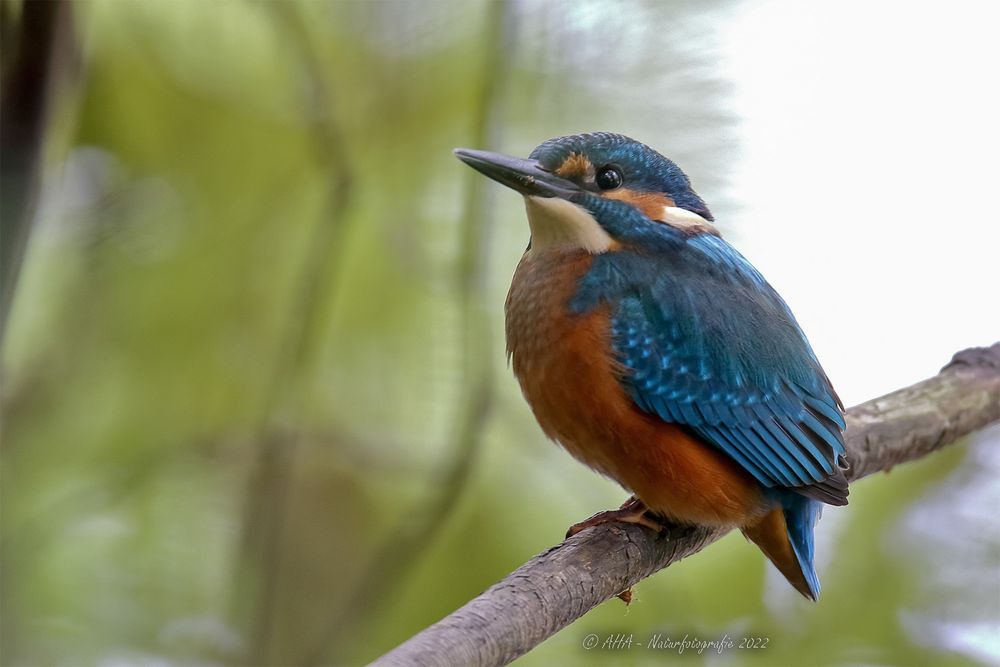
{"points": [[708, 344]]}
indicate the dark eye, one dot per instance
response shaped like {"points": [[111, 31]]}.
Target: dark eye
{"points": [[609, 178]]}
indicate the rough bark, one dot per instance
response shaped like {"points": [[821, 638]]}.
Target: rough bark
{"points": [[560, 585]]}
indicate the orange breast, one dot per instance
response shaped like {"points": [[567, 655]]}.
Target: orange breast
{"points": [[567, 372]]}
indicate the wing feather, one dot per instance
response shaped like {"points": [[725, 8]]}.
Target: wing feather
{"points": [[711, 346]]}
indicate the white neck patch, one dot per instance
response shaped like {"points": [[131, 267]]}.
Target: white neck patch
{"points": [[557, 222], [681, 218]]}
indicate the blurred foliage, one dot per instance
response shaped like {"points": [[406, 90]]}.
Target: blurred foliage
{"points": [[258, 339]]}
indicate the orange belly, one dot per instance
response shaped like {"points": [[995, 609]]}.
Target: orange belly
{"points": [[568, 375]]}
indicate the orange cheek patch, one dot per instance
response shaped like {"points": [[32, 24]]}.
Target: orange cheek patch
{"points": [[650, 204], [576, 166]]}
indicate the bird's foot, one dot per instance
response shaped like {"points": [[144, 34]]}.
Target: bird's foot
{"points": [[632, 511]]}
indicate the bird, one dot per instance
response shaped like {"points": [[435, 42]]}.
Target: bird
{"points": [[651, 350]]}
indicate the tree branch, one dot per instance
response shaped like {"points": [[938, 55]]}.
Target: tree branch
{"points": [[562, 584]]}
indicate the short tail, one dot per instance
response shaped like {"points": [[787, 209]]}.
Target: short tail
{"points": [[785, 535]]}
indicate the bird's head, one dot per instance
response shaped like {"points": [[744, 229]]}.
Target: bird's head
{"points": [[598, 191]]}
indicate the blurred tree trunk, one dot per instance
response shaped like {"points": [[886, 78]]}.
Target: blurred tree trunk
{"points": [[419, 526], [291, 481], [36, 41], [35, 37]]}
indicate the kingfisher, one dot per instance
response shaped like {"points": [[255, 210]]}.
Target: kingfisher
{"points": [[652, 351]]}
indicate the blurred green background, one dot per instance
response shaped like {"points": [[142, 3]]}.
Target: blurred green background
{"points": [[255, 406]]}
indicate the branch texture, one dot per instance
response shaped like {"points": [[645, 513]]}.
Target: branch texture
{"points": [[560, 585]]}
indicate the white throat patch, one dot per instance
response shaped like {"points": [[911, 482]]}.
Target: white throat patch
{"points": [[557, 222]]}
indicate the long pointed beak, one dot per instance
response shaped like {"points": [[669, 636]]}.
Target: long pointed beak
{"points": [[526, 176]]}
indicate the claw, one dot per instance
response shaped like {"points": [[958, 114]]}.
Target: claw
{"points": [[632, 511]]}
